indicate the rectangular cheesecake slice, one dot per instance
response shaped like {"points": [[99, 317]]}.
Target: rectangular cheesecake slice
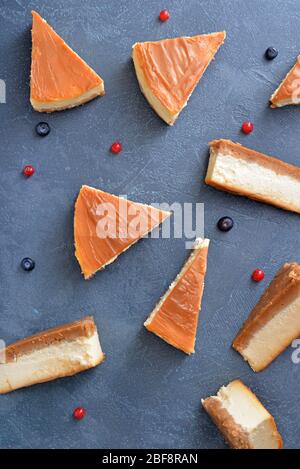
{"points": [[274, 322], [237, 169], [54, 353], [242, 419]]}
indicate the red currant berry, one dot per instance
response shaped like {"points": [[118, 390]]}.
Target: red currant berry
{"points": [[28, 170], [247, 127], [258, 275], [164, 15], [116, 147], [79, 413]]}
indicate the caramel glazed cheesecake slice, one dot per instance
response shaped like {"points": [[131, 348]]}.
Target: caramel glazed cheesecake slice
{"points": [[168, 70], [242, 419], [60, 79], [274, 322], [54, 353], [175, 317], [237, 169]]}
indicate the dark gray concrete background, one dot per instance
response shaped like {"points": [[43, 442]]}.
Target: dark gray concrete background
{"points": [[146, 394]]}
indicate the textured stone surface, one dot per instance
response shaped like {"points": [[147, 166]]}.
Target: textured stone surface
{"points": [[146, 394]]}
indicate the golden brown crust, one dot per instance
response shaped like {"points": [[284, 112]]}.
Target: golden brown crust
{"points": [[44, 107], [283, 290], [276, 434], [85, 327], [234, 434], [252, 196]]}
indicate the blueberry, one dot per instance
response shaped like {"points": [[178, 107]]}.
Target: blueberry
{"points": [[225, 224], [271, 53], [27, 264], [42, 129]]}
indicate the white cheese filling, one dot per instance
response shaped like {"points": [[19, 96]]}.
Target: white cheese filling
{"points": [[253, 178], [64, 358], [250, 414], [274, 337], [288, 102], [242, 406]]}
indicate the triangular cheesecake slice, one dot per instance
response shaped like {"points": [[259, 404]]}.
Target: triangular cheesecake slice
{"points": [[289, 90], [175, 318], [274, 322], [169, 70], [60, 79], [106, 225]]}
